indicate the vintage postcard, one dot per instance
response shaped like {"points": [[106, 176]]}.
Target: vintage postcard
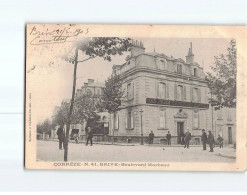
{"points": [[135, 97]]}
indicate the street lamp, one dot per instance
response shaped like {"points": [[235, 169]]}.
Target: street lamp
{"points": [[141, 111]]}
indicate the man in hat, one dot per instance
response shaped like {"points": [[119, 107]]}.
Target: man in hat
{"points": [[204, 139], [168, 137], [90, 136], [211, 141], [187, 137], [151, 137], [61, 136]]}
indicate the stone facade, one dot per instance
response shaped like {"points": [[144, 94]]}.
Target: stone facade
{"points": [[225, 124], [178, 92]]}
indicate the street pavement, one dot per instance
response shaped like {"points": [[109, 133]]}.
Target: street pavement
{"points": [[48, 151]]}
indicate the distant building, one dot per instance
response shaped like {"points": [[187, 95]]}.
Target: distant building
{"points": [[225, 124], [94, 89], [91, 87], [170, 94]]}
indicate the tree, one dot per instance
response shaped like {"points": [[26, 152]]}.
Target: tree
{"points": [[103, 47], [45, 127], [61, 117], [84, 107], [113, 95], [223, 81]]}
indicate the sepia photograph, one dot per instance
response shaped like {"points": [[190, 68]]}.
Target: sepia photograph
{"points": [[129, 102]]}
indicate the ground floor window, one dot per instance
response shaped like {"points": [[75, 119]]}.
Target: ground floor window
{"points": [[130, 120], [162, 118], [196, 119]]}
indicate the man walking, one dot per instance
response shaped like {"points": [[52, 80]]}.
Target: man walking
{"points": [[168, 137], [90, 136], [61, 137], [187, 137], [204, 139], [151, 137], [211, 141]]}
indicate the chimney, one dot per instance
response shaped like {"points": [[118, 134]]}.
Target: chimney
{"points": [[190, 56], [90, 81], [137, 48]]}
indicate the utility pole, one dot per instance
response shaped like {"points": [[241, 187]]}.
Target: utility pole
{"points": [[212, 114], [70, 109], [66, 141]]}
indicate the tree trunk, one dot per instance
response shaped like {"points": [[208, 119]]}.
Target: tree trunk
{"points": [[66, 142]]}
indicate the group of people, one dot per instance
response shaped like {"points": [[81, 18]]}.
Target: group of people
{"points": [[61, 136], [206, 139]]}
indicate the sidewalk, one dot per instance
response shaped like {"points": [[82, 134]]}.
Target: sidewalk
{"points": [[135, 144]]}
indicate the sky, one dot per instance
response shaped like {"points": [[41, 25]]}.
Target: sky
{"points": [[54, 76]]}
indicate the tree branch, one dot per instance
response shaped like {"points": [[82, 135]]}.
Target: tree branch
{"points": [[85, 59]]}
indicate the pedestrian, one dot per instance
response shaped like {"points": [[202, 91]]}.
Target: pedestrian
{"points": [[204, 139], [61, 137], [168, 137], [220, 141], [211, 141], [90, 136], [187, 137], [151, 137]]}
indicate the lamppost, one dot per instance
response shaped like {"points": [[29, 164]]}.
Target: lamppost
{"points": [[141, 111]]}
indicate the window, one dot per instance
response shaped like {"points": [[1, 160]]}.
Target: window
{"points": [[180, 93], [89, 92], [229, 115], [196, 95], [220, 131], [115, 118], [195, 72], [162, 65], [130, 120], [179, 68], [196, 119], [162, 118], [219, 115], [162, 90], [98, 91], [130, 91]]}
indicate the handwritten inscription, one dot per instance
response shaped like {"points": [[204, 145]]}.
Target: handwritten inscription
{"points": [[59, 35]]}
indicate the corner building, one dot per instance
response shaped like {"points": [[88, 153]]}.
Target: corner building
{"points": [[161, 94]]}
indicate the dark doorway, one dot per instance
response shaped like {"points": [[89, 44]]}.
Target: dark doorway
{"points": [[180, 131], [230, 135]]}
